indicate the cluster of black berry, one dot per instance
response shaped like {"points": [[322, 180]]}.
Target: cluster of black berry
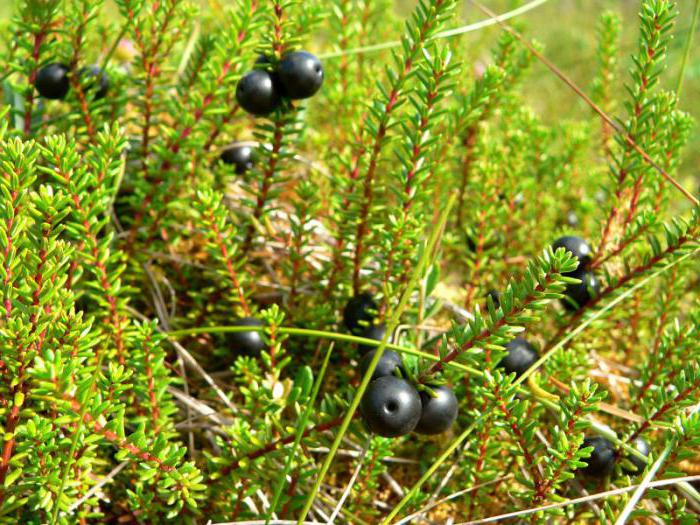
{"points": [[578, 295], [601, 462], [521, 353], [298, 75], [53, 81], [392, 406]]}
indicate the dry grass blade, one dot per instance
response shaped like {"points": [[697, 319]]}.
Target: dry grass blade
{"points": [[576, 501], [452, 496], [95, 489], [353, 478], [192, 362]]}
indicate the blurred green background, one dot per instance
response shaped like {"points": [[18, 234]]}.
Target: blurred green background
{"points": [[567, 28]]}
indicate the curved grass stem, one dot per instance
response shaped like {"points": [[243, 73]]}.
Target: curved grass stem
{"points": [[443, 34]]}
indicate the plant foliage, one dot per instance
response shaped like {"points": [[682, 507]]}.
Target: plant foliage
{"points": [[129, 252]]}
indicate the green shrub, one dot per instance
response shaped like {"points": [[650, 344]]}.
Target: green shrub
{"points": [[172, 344]]}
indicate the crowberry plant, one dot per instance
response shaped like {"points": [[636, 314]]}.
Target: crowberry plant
{"points": [[52, 81], [245, 247]]}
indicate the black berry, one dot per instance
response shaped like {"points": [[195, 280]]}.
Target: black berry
{"points": [[638, 464], [602, 460], [250, 342], [97, 81], [577, 246], [578, 295], [52, 81], [389, 362], [242, 156], [256, 92], [359, 313], [521, 356], [391, 406], [376, 332], [301, 74], [495, 297], [471, 245], [438, 413]]}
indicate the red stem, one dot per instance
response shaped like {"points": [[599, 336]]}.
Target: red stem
{"points": [[267, 181], [38, 40], [229, 264]]}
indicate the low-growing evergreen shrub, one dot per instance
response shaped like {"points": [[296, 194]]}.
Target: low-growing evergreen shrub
{"points": [[240, 242]]}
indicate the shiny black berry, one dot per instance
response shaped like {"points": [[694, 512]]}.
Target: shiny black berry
{"points": [[521, 356], [386, 366], [638, 464], [577, 246], [241, 156], [301, 74], [250, 342], [438, 413], [391, 406], [52, 81], [256, 92], [359, 313], [375, 331], [602, 460], [97, 81], [578, 295]]}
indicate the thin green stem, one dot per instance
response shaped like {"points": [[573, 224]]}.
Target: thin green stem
{"points": [[299, 433], [392, 322], [114, 47], [320, 334], [66, 468], [688, 47]]}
